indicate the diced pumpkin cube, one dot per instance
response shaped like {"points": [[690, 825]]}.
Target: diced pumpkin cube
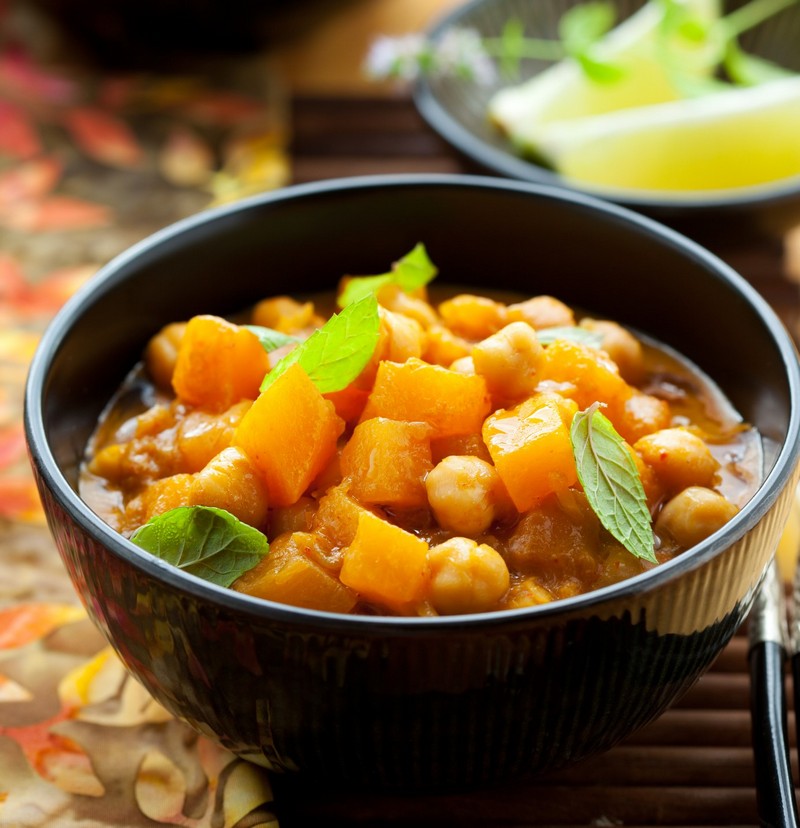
{"points": [[218, 364], [290, 434], [202, 435], [386, 462], [349, 402], [386, 564], [592, 374], [288, 575], [337, 516], [531, 450], [414, 391], [460, 445]]}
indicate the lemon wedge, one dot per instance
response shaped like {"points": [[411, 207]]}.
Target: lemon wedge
{"points": [[637, 46], [735, 138]]}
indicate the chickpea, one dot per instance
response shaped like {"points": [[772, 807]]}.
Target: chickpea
{"points": [[444, 347], [400, 337], [282, 313], [678, 457], [464, 493], [395, 299], [473, 317], [694, 514], [621, 345], [508, 360], [465, 365], [466, 576], [231, 482], [541, 312], [162, 353]]}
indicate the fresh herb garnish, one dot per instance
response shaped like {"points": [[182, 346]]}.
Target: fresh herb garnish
{"points": [[580, 28], [271, 340], [204, 541], [611, 482], [549, 335], [335, 354], [410, 273]]}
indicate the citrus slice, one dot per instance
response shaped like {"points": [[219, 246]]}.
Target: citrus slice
{"points": [[637, 46], [736, 138]]}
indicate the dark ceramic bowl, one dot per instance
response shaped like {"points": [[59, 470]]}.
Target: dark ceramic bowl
{"points": [[416, 702], [456, 108]]}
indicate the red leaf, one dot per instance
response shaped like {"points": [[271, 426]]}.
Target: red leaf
{"points": [[12, 444], [18, 136], [29, 180], [19, 499], [24, 80], [13, 287], [51, 293], [104, 138], [56, 212]]}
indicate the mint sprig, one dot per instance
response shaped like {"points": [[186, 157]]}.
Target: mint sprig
{"points": [[204, 541], [547, 336], [270, 339], [611, 482], [410, 273], [335, 354]]}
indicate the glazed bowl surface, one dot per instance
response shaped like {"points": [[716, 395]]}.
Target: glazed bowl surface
{"points": [[455, 106], [416, 703]]}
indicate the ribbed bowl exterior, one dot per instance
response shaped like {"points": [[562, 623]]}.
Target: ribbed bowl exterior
{"points": [[422, 703]]}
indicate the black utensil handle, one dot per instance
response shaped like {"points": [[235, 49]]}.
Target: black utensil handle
{"points": [[774, 786]]}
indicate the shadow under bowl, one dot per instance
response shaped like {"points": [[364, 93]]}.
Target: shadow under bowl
{"points": [[416, 703]]}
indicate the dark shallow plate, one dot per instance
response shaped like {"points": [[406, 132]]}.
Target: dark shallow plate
{"points": [[456, 107]]}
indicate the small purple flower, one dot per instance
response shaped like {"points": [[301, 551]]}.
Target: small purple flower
{"points": [[461, 52], [402, 58]]}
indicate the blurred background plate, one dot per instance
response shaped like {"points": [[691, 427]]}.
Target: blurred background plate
{"points": [[456, 108]]}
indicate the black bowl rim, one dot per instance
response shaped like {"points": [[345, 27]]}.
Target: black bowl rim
{"points": [[507, 163], [115, 271]]}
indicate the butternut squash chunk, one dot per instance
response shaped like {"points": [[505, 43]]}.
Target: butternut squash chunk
{"points": [[531, 450], [386, 564], [289, 433], [414, 391], [287, 574], [386, 462], [218, 364]]}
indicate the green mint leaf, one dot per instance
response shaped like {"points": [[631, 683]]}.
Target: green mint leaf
{"points": [[335, 354], [512, 40], [271, 340], [583, 25], [601, 71], [414, 270], [410, 273], [548, 335], [204, 541], [611, 482], [748, 70]]}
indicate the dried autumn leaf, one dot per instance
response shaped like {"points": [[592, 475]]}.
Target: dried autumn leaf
{"points": [[13, 285], [19, 499], [18, 135], [58, 285], [21, 624], [58, 212], [12, 444], [29, 180], [24, 79], [104, 137]]}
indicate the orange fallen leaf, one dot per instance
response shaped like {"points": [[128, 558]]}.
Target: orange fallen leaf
{"points": [[58, 285], [12, 444], [58, 212], [13, 286], [29, 180], [104, 137], [18, 136], [23, 623], [19, 499]]}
